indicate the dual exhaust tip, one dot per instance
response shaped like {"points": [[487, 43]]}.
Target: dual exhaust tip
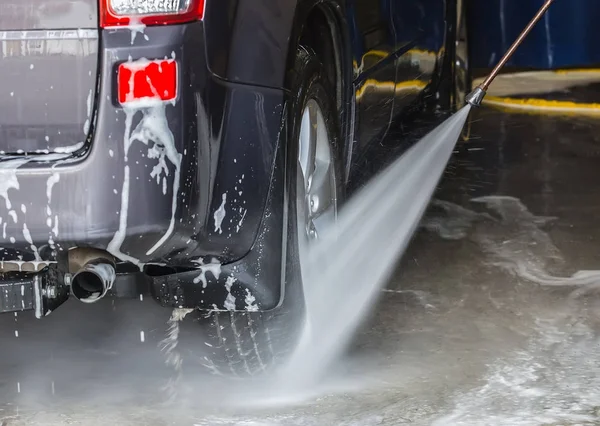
{"points": [[93, 281]]}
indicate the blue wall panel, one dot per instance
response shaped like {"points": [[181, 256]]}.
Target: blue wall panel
{"points": [[568, 36]]}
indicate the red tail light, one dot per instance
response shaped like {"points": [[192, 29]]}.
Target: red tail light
{"points": [[143, 80], [149, 12]]}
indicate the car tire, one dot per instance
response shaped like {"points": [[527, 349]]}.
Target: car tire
{"points": [[250, 343]]}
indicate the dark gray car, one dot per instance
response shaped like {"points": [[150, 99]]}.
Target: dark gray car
{"points": [[186, 148]]}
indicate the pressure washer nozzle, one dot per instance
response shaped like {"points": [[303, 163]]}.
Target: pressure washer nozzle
{"points": [[476, 96]]}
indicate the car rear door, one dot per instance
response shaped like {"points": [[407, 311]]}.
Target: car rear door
{"points": [[374, 70], [48, 64], [420, 32]]}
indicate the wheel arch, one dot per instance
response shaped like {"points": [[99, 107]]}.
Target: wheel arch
{"points": [[311, 16]]}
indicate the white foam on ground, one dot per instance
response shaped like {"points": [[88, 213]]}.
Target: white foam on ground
{"points": [[556, 378], [532, 388]]}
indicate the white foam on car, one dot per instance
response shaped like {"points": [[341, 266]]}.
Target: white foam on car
{"points": [[27, 236], [88, 102], [220, 214], [69, 149], [136, 27], [9, 181], [229, 303], [8, 178], [114, 246], [52, 180], [239, 224], [152, 128], [214, 268], [250, 301]]}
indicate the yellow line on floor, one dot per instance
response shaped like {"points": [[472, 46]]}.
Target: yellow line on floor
{"points": [[578, 71], [544, 74], [543, 106], [536, 83]]}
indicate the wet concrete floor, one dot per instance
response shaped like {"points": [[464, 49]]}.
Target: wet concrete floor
{"points": [[487, 320]]}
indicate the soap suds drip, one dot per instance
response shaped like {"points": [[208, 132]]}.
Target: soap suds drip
{"points": [[220, 214], [86, 125], [27, 236], [153, 127], [250, 301], [52, 180], [8, 178], [114, 247], [213, 268], [229, 303], [239, 225], [136, 27]]}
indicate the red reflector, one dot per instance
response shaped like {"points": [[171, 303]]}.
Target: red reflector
{"points": [[147, 80]]}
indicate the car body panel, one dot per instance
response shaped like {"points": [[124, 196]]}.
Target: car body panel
{"points": [[372, 36], [420, 31], [377, 33], [248, 42], [227, 163]]}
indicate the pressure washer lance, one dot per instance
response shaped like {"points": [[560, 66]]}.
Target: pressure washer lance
{"points": [[476, 96]]}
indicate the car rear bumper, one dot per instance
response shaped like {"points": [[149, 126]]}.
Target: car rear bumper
{"points": [[128, 196]]}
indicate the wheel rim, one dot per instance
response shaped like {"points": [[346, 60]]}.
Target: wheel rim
{"points": [[316, 203]]}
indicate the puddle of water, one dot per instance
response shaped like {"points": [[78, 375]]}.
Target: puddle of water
{"points": [[554, 380], [512, 237]]}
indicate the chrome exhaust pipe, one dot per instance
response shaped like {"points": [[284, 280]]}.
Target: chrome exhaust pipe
{"points": [[92, 282]]}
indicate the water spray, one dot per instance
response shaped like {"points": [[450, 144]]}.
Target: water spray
{"points": [[351, 263], [476, 96]]}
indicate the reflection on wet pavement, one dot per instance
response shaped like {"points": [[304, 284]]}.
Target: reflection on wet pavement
{"points": [[488, 320]]}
